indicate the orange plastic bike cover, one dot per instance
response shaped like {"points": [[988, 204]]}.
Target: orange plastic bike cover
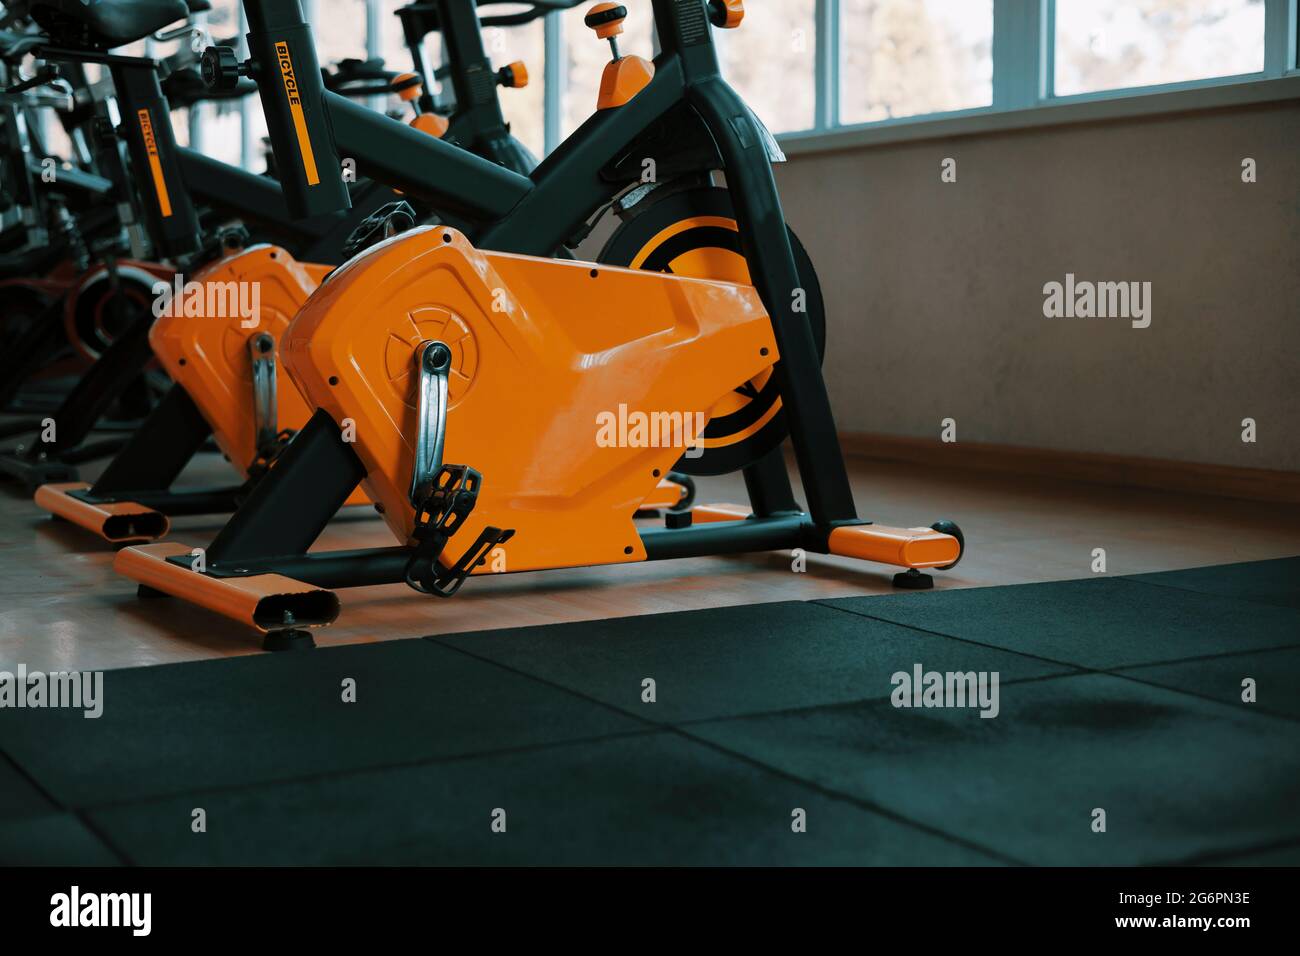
{"points": [[202, 340], [573, 388]]}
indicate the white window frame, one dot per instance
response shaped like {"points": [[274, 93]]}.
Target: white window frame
{"points": [[1024, 45]]}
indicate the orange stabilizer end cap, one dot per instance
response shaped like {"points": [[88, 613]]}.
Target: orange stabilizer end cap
{"points": [[264, 601], [120, 522], [431, 123], [622, 80], [703, 514], [901, 547]]}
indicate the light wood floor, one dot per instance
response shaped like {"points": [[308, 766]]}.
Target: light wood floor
{"points": [[64, 608]]}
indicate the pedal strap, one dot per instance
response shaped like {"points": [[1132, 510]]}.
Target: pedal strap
{"points": [[450, 500]]}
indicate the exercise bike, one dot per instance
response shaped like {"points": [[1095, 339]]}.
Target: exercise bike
{"points": [[430, 350]]}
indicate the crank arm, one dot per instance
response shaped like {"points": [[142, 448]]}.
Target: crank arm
{"points": [[433, 362], [261, 348]]}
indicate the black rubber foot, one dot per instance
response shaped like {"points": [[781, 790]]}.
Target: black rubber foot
{"points": [[293, 639], [32, 474], [677, 519], [144, 591], [913, 580]]}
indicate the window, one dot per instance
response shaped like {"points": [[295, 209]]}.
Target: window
{"points": [[771, 60], [340, 30], [1112, 44], [391, 44], [816, 65], [909, 57], [220, 122]]}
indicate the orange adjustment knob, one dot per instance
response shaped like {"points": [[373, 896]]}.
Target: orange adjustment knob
{"points": [[408, 86], [514, 76], [606, 19], [431, 123], [726, 13]]}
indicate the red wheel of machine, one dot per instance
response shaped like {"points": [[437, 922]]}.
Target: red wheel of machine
{"points": [[693, 232], [93, 316]]}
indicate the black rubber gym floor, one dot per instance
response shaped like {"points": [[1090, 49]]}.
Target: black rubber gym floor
{"points": [[1115, 694]]}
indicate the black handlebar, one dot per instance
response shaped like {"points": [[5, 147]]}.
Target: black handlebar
{"points": [[539, 8]]}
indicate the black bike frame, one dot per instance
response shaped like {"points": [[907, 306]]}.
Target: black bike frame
{"points": [[146, 127]]}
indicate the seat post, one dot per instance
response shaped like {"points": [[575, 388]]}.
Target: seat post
{"points": [[283, 52], [147, 127]]}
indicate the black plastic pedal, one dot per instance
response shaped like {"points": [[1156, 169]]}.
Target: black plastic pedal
{"points": [[384, 223]]}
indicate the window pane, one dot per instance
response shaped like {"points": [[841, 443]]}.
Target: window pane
{"points": [[911, 57], [223, 21], [1112, 44], [523, 108], [391, 44], [221, 132], [340, 29], [585, 56], [770, 59]]}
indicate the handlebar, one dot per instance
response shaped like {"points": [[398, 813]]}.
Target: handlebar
{"points": [[539, 8], [366, 78]]}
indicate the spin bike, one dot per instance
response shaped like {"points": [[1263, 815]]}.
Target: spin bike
{"points": [[426, 349]]}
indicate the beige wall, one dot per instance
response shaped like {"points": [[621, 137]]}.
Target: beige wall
{"points": [[934, 290]]}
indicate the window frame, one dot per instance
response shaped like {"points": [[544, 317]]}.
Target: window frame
{"points": [[1024, 48]]}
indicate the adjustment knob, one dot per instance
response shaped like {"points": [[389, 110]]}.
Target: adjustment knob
{"points": [[407, 86], [221, 68], [726, 14], [514, 76], [606, 19]]}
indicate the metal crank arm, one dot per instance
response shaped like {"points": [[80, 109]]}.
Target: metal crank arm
{"points": [[261, 348], [434, 362]]}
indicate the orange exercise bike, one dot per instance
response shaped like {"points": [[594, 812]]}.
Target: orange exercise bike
{"points": [[426, 349]]}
